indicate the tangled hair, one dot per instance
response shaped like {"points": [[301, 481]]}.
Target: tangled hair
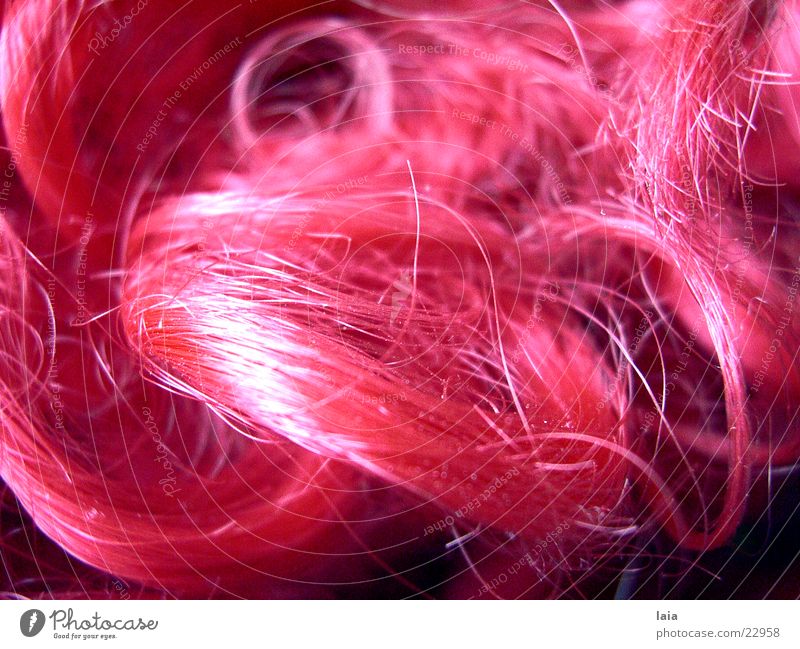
{"points": [[382, 299]]}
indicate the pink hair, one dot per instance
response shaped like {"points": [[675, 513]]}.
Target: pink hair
{"points": [[296, 297]]}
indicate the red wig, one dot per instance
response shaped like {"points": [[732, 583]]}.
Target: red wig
{"points": [[377, 298]]}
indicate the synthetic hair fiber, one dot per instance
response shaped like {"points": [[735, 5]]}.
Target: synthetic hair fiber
{"points": [[399, 299]]}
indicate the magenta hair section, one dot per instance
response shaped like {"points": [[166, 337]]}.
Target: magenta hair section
{"points": [[390, 298]]}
